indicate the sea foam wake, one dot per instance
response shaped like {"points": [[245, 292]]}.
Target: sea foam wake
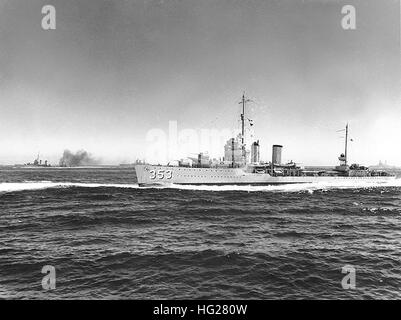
{"points": [[39, 185], [309, 187]]}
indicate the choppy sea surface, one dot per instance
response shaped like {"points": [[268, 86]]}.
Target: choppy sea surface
{"points": [[108, 238]]}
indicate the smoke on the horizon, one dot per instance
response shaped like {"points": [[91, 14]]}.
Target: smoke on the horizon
{"points": [[80, 158]]}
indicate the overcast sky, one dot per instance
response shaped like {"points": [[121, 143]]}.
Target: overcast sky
{"points": [[113, 70]]}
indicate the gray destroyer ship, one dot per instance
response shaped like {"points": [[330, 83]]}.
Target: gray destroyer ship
{"points": [[241, 167]]}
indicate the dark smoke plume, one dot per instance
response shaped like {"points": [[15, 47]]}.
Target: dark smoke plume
{"points": [[80, 158]]}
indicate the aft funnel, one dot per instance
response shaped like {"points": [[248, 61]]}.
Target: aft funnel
{"points": [[276, 154]]}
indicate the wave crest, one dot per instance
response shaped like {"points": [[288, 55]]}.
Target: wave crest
{"points": [[38, 185], [301, 187]]}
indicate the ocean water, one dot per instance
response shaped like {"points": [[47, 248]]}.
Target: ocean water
{"points": [[108, 238]]}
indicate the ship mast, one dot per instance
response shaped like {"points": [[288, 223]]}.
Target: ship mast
{"points": [[243, 102], [346, 143], [232, 152]]}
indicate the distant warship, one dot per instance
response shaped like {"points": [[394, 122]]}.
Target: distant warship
{"points": [[38, 163], [237, 169]]}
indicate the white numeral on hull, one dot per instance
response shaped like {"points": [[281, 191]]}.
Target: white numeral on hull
{"points": [[160, 174]]}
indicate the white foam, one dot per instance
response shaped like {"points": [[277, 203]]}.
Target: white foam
{"points": [[298, 187], [37, 185]]}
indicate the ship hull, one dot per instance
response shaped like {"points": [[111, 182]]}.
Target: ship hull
{"points": [[152, 175]]}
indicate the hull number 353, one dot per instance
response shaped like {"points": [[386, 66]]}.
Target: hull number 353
{"points": [[160, 174]]}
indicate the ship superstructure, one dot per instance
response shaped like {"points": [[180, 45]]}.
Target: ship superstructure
{"points": [[38, 163], [239, 167]]}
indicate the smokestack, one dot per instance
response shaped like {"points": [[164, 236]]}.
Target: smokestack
{"points": [[255, 152], [276, 154]]}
